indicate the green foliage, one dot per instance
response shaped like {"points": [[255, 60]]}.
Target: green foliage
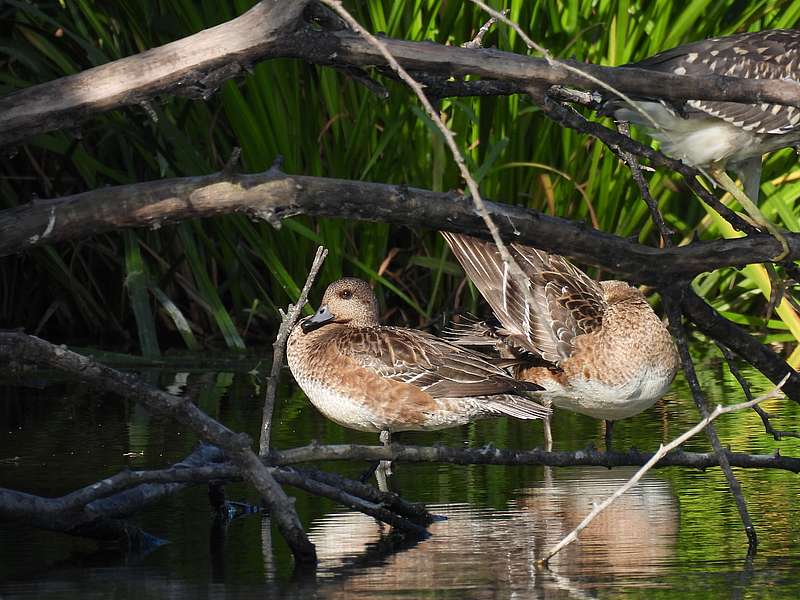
{"points": [[212, 280]]}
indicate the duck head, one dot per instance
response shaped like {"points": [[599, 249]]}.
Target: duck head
{"points": [[347, 301]]}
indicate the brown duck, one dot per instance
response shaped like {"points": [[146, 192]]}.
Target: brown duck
{"points": [[370, 377], [597, 348]]}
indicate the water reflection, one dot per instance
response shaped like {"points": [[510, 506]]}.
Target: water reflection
{"points": [[486, 549], [59, 436]]}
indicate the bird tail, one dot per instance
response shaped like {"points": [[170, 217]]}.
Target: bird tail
{"points": [[518, 407]]}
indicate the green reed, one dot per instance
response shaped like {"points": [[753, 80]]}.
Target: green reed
{"points": [[220, 281]]}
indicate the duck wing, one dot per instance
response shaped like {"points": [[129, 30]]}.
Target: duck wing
{"points": [[436, 366], [563, 302]]}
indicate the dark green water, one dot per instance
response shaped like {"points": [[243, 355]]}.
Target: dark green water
{"points": [[676, 535]]}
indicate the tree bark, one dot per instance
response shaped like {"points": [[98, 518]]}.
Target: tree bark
{"points": [[274, 196], [197, 65]]}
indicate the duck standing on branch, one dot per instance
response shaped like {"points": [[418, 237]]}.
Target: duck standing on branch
{"points": [[371, 377], [712, 135], [597, 348]]}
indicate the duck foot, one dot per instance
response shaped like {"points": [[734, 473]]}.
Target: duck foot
{"points": [[384, 469]]}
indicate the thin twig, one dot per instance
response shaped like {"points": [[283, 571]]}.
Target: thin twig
{"points": [[574, 120], [557, 63], [477, 41], [279, 349], [638, 177], [514, 269], [745, 385], [705, 422], [672, 306]]}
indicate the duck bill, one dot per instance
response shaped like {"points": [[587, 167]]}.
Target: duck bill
{"points": [[322, 317]]}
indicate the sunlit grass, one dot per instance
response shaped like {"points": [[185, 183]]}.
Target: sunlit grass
{"points": [[223, 275]]}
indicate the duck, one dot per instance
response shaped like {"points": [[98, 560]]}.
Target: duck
{"points": [[383, 379], [596, 348]]}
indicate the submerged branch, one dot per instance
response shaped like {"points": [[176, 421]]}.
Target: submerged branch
{"points": [[98, 511], [94, 510], [20, 348]]}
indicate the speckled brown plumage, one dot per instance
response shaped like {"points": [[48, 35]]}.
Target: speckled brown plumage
{"points": [[599, 348], [376, 378], [705, 133]]}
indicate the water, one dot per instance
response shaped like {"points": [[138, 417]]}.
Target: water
{"points": [[676, 535]]}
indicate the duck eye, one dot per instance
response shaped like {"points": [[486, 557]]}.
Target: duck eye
{"points": [[346, 295]]}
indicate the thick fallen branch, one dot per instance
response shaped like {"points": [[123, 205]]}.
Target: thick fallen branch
{"points": [[18, 347], [95, 511], [198, 64], [489, 455], [274, 196]]}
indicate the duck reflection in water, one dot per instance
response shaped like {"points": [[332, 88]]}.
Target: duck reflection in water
{"points": [[476, 548]]}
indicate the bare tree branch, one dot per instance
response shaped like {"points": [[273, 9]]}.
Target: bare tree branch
{"points": [[717, 327], [745, 385], [16, 346], [279, 348], [490, 455], [675, 318], [570, 118], [198, 64], [273, 196]]}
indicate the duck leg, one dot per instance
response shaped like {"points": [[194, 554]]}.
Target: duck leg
{"points": [[721, 177], [609, 430], [548, 432], [385, 466]]}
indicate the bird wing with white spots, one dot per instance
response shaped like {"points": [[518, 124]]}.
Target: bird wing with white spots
{"points": [[771, 54]]}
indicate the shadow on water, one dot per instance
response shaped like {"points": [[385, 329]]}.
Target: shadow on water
{"points": [[676, 534]]}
